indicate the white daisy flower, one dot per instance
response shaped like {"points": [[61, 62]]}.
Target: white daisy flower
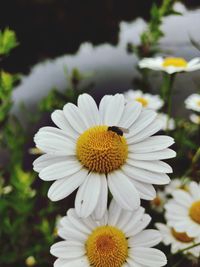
{"points": [[119, 239], [147, 100], [183, 210], [88, 153], [178, 241], [168, 123], [170, 64], [193, 102], [195, 118], [175, 184]]}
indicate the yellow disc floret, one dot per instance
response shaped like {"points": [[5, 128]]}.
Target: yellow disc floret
{"points": [[181, 236], [195, 212], [142, 100], [107, 246], [175, 62], [100, 150]]}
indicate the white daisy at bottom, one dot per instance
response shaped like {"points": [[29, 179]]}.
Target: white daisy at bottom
{"points": [[183, 210], [119, 239], [178, 241]]}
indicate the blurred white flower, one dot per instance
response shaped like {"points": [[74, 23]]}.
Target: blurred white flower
{"points": [[87, 153], [178, 241], [193, 102], [170, 64], [147, 100], [159, 201], [195, 118], [118, 239], [175, 184], [168, 123], [183, 210]]}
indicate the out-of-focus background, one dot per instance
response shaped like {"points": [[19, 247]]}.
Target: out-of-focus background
{"points": [[66, 47]]}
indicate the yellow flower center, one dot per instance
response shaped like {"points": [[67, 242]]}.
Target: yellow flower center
{"points": [[182, 237], [107, 246], [195, 212], [100, 150], [142, 100], [175, 62], [198, 102], [156, 201]]}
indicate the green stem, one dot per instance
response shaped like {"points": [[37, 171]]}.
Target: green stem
{"points": [[166, 93], [192, 246]]}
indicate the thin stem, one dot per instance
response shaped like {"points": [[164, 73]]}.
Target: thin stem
{"points": [[192, 246]]}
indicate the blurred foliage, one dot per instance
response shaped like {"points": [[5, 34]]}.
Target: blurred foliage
{"points": [[149, 39], [27, 229], [56, 100], [8, 41]]}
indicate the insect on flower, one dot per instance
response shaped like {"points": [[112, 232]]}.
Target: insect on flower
{"points": [[118, 130]]}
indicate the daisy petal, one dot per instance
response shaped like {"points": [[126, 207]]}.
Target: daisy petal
{"points": [[146, 191], [102, 202], [158, 155], [146, 238], [88, 195], [67, 249], [130, 114], [47, 160], [66, 168], [151, 144], [89, 109], [64, 187], [123, 191], [153, 257], [74, 117], [61, 122]]}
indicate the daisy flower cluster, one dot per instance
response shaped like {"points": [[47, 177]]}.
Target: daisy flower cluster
{"points": [[103, 151], [182, 228]]}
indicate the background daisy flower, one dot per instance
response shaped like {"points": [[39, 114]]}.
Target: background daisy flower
{"points": [[178, 241], [119, 239], [170, 64], [83, 152], [168, 123], [193, 102], [147, 100], [195, 118], [183, 210]]}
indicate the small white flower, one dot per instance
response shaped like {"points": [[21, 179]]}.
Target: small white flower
{"points": [[193, 102], [85, 152], [178, 241], [119, 239], [147, 100], [170, 64], [175, 184], [158, 202], [168, 123], [195, 118], [183, 210]]}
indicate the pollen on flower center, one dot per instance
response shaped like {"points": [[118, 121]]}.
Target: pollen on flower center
{"points": [[195, 212], [107, 246], [100, 150], [142, 100], [175, 62], [182, 237]]}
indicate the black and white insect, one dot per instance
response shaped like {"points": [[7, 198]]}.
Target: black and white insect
{"points": [[118, 130]]}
